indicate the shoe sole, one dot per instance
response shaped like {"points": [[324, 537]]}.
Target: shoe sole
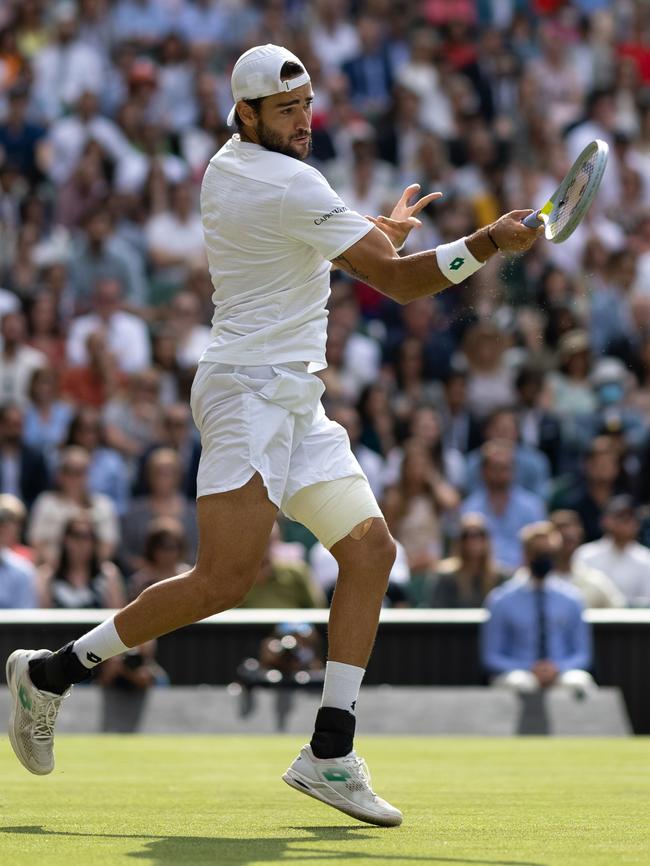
{"points": [[11, 682], [301, 783]]}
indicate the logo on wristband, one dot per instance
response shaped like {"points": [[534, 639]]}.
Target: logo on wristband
{"points": [[457, 263]]}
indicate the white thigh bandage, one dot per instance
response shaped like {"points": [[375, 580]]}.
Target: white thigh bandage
{"points": [[331, 509], [455, 261]]}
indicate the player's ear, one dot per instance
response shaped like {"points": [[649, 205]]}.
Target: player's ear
{"points": [[247, 113]]}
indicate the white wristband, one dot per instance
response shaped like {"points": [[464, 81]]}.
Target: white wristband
{"points": [[455, 261]]}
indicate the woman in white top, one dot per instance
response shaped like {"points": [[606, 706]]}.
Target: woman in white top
{"points": [[54, 508]]}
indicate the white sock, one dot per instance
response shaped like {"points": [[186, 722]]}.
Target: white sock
{"points": [[341, 687], [102, 643]]}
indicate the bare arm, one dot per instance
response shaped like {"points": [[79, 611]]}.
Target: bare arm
{"points": [[373, 258]]}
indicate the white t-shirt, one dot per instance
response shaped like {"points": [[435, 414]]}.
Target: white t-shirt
{"points": [[629, 567], [272, 224]]}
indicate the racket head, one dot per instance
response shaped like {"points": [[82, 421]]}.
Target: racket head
{"points": [[566, 208]]}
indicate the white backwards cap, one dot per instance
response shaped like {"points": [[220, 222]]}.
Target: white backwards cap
{"points": [[257, 73]]}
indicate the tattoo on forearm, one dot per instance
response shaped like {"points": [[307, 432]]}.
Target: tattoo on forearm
{"points": [[346, 265]]}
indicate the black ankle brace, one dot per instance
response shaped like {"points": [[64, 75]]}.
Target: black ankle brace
{"points": [[333, 733], [58, 672]]}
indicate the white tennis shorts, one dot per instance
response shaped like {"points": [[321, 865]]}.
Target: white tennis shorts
{"points": [[267, 419]]}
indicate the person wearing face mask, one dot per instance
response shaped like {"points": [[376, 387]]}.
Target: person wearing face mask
{"points": [[536, 637], [610, 381]]}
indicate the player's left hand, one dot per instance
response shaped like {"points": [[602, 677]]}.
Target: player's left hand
{"points": [[403, 216]]}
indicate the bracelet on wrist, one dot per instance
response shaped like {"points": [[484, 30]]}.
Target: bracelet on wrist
{"points": [[489, 234]]}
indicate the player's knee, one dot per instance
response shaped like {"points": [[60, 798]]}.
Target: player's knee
{"points": [[377, 547]]}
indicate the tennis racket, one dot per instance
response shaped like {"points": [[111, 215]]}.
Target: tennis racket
{"points": [[566, 208]]}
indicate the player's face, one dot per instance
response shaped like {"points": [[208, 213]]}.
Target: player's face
{"points": [[284, 122]]}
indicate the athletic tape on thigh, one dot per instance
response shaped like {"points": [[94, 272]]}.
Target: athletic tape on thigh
{"points": [[331, 509]]}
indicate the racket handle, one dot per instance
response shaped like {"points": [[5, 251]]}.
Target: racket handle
{"points": [[532, 221]]}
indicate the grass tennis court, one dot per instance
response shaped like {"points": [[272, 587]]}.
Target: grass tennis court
{"points": [[219, 800]]}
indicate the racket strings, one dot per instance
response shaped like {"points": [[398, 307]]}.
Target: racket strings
{"points": [[572, 196]]}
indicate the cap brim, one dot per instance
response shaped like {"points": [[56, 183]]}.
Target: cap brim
{"points": [[230, 120]]}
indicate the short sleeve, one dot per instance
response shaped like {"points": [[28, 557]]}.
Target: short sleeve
{"points": [[313, 213]]}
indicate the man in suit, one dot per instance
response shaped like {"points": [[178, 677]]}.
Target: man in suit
{"points": [[23, 469]]}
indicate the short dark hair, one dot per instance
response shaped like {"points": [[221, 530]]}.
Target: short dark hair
{"points": [[289, 70]]}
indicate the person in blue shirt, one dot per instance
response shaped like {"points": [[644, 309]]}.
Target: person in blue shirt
{"points": [[532, 467], [17, 575], [536, 636], [506, 507]]}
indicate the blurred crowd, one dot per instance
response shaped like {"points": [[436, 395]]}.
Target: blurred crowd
{"points": [[520, 397]]}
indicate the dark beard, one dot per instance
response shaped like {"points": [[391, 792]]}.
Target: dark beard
{"points": [[272, 141]]}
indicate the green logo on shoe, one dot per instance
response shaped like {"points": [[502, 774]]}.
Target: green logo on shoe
{"points": [[457, 263], [336, 775], [24, 698]]}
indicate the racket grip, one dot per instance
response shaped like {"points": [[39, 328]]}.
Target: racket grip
{"points": [[532, 221]]}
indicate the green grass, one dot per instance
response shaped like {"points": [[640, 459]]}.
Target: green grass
{"points": [[171, 801]]}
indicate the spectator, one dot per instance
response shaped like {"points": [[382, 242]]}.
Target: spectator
{"points": [[178, 433], [192, 337], [71, 134], [460, 429], [101, 254], [284, 585], [589, 493], [126, 334], [538, 427], [377, 422], [65, 66], [369, 72], [44, 327], [23, 469], [47, 418], [108, 472], [163, 554], [21, 141], [532, 469], [165, 499], [571, 391], [15, 514], [174, 241], [464, 580], [96, 381], [80, 578], [424, 426], [596, 589], [18, 587], [506, 507], [126, 681], [489, 380], [536, 636], [71, 498], [618, 554], [413, 507], [133, 419], [371, 462], [17, 360]]}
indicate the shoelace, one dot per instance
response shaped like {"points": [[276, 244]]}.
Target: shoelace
{"points": [[359, 769], [45, 711]]}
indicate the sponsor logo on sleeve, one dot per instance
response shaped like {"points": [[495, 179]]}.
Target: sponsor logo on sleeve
{"points": [[326, 216]]}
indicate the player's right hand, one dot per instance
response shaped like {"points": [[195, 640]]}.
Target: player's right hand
{"points": [[511, 235]]}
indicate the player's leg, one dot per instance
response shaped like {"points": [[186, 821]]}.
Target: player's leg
{"points": [[345, 516], [234, 528]]}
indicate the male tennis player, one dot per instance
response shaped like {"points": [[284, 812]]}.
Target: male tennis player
{"points": [[273, 226]]}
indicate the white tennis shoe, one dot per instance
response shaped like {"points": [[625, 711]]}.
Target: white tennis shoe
{"points": [[343, 783], [33, 714]]}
